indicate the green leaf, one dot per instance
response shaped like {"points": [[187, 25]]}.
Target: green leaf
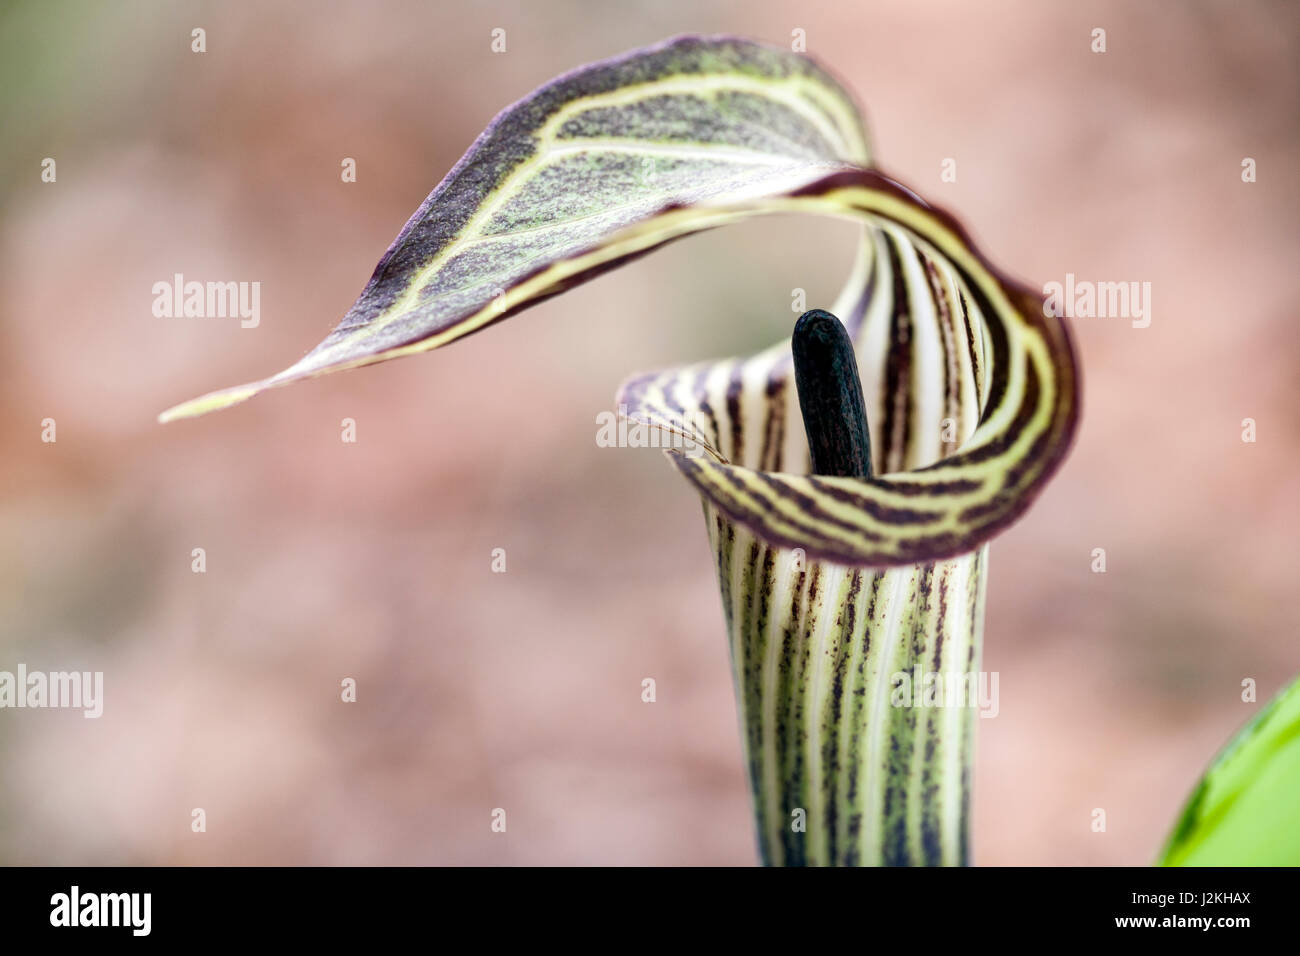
{"points": [[1243, 812]]}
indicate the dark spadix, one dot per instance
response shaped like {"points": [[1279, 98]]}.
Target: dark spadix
{"points": [[830, 397]]}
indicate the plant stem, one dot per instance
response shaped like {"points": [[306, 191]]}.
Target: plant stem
{"points": [[843, 769]]}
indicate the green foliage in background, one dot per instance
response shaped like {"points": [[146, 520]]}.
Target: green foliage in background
{"points": [[1244, 811]]}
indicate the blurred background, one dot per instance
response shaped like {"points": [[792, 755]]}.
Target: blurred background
{"points": [[372, 560]]}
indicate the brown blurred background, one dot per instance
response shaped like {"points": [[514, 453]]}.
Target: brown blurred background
{"points": [[371, 560]]}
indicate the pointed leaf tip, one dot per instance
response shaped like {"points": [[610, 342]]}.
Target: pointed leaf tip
{"points": [[211, 402]]}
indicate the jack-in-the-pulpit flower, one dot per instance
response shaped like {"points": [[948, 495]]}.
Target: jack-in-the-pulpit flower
{"points": [[854, 604]]}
